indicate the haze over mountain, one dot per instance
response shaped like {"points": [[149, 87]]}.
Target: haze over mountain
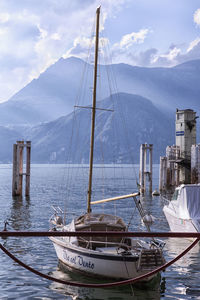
{"points": [[54, 93], [148, 97], [135, 120]]}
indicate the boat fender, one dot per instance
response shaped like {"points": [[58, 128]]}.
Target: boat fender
{"points": [[148, 219], [58, 220], [155, 193]]}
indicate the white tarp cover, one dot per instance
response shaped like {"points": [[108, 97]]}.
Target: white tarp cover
{"points": [[189, 202]]}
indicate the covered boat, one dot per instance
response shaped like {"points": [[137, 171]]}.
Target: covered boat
{"points": [[183, 211]]}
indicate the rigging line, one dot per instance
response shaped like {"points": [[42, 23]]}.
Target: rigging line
{"points": [[116, 127], [109, 69], [131, 218], [113, 79], [68, 155], [77, 122], [69, 169], [96, 108], [111, 98], [86, 67], [100, 115], [116, 88], [127, 135], [77, 159], [103, 168], [82, 87], [114, 149], [113, 134], [109, 76], [101, 285], [74, 170], [107, 63], [112, 83]]}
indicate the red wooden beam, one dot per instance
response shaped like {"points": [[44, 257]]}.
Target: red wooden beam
{"points": [[100, 233]]}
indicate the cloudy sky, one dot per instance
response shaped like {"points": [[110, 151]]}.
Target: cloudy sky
{"points": [[150, 33]]}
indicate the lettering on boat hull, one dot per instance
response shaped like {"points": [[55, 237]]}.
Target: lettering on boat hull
{"points": [[77, 260]]}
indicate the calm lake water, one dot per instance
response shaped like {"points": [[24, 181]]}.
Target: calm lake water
{"points": [[48, 187]]}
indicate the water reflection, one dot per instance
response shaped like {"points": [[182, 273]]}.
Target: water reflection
{"points": [[174, 246], [20, 213], [122, 293], [181, 276], [19, 220]]}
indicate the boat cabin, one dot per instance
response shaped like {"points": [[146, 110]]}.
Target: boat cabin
{"points": [[99, 222]]}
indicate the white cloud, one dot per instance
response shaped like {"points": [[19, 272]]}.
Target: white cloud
{"points": [[4, 17], [34, 34], [43, 32], [176, 55], [123, 50], [170, 57], [133, 38], [81, 46], [193, 44], [197, 16], [152, 57], [56, 36]]}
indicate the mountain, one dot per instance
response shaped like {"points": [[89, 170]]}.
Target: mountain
{"points": [[56, 90], [167, 88], [8, 137], [135, 120], [46, 98]]}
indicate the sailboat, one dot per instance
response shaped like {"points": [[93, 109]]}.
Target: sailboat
{"points": [[108, 257]]}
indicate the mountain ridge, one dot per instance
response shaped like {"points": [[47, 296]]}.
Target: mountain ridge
{"points": [[51, 141], [55, 91]]}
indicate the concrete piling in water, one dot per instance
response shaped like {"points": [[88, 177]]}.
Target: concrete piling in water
{"points": [[141, 173], [195, 164], [163, 173], [17, 181], [28, 167], [145, 174]]}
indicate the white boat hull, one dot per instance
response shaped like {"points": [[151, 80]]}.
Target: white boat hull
{"points": [[98, 264], [178, 224]]}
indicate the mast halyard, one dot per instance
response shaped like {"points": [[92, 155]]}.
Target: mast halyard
{"points": [[93, 112]]}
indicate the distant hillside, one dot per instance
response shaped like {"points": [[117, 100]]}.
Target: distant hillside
{"points": [[56, 90], [8, 137], [135, 120]]}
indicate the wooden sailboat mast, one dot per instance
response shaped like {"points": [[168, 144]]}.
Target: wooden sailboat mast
{"points": [[93, 112]]}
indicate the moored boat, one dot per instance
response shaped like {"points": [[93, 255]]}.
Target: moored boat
{"points": [[110, 257], [183, 211]]}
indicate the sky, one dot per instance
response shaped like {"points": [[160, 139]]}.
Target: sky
{"points": [[149, 33]]}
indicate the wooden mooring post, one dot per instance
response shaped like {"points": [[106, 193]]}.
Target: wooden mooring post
{"points": [[145, 174], [17, 182]]}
